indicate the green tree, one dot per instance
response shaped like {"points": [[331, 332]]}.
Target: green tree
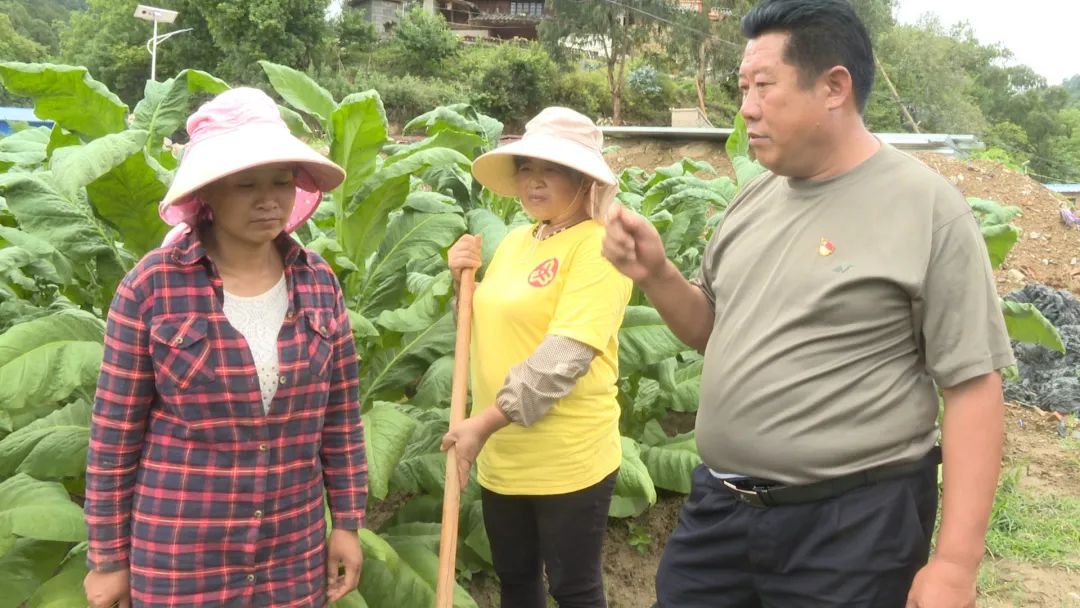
{"points": [[514, 82], [40, 20], [16, 47], [245, 31], [426, 42], [111, 44], [618, 30], [707, 43], [928, 66], [1072, 85], [876, 15], [226, 39]]}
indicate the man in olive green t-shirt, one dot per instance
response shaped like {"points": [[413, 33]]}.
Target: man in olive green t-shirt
{"points": [[841, 291]]}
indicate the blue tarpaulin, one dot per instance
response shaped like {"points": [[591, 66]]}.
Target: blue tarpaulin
{"points": [[23, 115]]}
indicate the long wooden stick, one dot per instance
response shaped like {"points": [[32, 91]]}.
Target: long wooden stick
{"points": [[444, 593], [896, 96]]}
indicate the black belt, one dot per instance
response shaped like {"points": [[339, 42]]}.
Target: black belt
{"points": [[764, 493]]}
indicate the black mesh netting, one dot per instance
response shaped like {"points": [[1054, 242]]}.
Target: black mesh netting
{"points": [[1049, 379]]}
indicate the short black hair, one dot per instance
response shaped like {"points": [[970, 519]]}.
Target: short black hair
{"points": [[822, 34]]}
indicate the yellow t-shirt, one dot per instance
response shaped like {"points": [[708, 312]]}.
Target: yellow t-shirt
{"points": [[559, 286]]}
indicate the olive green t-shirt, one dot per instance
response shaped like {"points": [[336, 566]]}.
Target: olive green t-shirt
{"points": [[839, 304]]}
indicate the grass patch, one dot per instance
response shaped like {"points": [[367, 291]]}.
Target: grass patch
{"points": [[992, 582], [1042, 529]]}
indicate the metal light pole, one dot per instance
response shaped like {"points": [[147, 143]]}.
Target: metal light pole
{"points": [[157, 15]]}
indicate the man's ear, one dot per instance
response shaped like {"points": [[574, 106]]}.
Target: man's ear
{"points": [[838, 86]]}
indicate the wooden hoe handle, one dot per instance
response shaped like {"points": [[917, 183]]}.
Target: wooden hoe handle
{"points": [[444, 593]]}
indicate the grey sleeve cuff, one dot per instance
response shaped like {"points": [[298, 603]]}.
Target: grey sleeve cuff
{"points": [[534, 386]]}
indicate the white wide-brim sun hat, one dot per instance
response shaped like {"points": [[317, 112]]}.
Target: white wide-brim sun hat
{"points": [[237, 130], [558, 135]]}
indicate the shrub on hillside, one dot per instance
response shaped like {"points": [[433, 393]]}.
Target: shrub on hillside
{"points": [[513, 82], [426, 42], [649, 96], [405, 97], [585, 91]]}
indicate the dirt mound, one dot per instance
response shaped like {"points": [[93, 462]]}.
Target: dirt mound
{"points": [[1047, 251]]}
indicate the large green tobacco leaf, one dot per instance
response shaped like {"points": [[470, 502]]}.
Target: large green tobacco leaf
{"points": [[682, 228], [69, 225], [28, 259], [65, 589], [436, 384], [999, 239], [426, 201], [364, 225], [61, 138], [738, 150], [458, 118], [410, 236], [391, 370], [681, 387], [423, 473], [359, 129], [1026, 324], [634, 489], [492, 230], [402, 573], [422, 312], [351, 600], [991, 213], [76, 166], [202, 82], [26, 567], [387, 432], [127, 197], [66, 325], [422, 516], [26, 148], [51, 448], [68, 96], [670, 460], [644, 339], [163, 109], [165, 105], [43, 361], [300, 91], [717, 192], [36, 509]]}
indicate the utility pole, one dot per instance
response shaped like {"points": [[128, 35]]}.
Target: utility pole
{"points": [[157, 15]]}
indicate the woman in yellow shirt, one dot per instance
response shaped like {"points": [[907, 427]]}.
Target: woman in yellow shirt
{"points": [[544, 428]]}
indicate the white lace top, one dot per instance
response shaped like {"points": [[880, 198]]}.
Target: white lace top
{"points": [[259, 319]]}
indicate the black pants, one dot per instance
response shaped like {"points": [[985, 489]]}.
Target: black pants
{"points": [[861, 549], [564, 532]]}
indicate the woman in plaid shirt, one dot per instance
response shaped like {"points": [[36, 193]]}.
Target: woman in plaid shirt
{"points": [[228, 395]]}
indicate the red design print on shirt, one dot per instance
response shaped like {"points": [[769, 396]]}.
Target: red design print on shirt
{"points": [[544, 273]]}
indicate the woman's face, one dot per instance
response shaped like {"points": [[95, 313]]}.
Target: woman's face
{"points": [[252, 206], [548, 190]]}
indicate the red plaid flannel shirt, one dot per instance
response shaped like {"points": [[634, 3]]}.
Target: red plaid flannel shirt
{"points": [[208, 500]]}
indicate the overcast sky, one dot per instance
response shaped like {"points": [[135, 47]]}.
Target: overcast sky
{"points": [[1044, 34]]}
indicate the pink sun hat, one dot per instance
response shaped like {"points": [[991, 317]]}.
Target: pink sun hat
{"points": [[238, 130]]}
